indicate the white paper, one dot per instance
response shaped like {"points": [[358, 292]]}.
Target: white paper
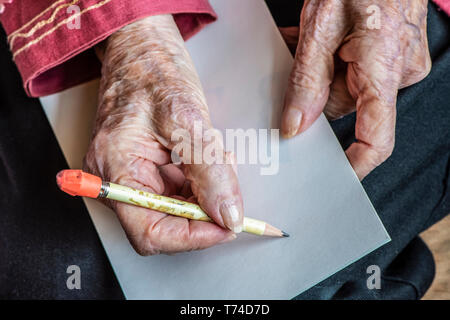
{"points": [[316, 197]]}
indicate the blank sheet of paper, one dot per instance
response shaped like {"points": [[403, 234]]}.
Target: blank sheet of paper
{"points": [[316, 197]]}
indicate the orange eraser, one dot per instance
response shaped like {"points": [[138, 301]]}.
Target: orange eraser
{"points": [[79, 183]]}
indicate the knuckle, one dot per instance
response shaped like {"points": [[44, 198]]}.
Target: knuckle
{"points": [[179, 111], [312, 72], [426, 69], [186, 113], [180, 103], [418, 72], [301, 79], [418, 59]]}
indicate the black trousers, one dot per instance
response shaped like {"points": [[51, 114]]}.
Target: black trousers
{"points": [[43, 231]]}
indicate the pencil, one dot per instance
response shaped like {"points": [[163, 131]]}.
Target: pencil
{"points": [[79, 183]]}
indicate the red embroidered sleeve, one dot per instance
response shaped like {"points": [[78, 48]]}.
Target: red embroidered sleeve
{"points": [[51, 40]]}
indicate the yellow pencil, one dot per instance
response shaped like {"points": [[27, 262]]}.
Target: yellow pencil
{"points": [[79, 183]]}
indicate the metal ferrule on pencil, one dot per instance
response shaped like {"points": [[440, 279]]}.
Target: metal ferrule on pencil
{"points": [[104, 190]]}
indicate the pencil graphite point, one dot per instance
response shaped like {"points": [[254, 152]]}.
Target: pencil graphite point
{"points": [[285, 234]]}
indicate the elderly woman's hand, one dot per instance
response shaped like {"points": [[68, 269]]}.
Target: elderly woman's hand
{"points": [[149, 88], [355, 55]]}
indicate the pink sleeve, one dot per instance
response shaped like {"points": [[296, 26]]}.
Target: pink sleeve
{"points": [[444, 4], [51, 40]]}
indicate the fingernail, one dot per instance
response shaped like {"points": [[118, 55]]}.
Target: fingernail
{"points": [[230, 216], [2, 8], [238, 229], [291, 122], [229, 238]]}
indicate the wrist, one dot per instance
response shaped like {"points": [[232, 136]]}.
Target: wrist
{"points": [[148, 76], [153, 43]]}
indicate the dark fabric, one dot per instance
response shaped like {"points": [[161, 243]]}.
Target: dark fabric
{"points": [[408, 277], [43, 231]]}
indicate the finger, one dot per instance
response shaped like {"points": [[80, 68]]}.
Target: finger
{"points": [[322, 29], [191, 234], [173, 177], [375, 134], [152, 232], [375, 84], [340, 102], [153, 151], [144, 172], [2, 8]]}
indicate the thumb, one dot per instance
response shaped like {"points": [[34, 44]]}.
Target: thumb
{"points": [[310, 79], [211, 174], [218, 193]]}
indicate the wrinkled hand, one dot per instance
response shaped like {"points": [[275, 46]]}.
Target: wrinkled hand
{"points": [[149, 88], [342, 65]]}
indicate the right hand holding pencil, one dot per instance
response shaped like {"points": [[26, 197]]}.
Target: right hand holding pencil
{"points": [[149, 88]]}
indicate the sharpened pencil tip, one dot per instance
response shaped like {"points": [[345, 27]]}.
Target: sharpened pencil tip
{"points": [[285, 234]]}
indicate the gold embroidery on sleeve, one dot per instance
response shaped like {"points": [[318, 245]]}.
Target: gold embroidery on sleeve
{"points": [[39, 25], [36, 17], [38, 39]]}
